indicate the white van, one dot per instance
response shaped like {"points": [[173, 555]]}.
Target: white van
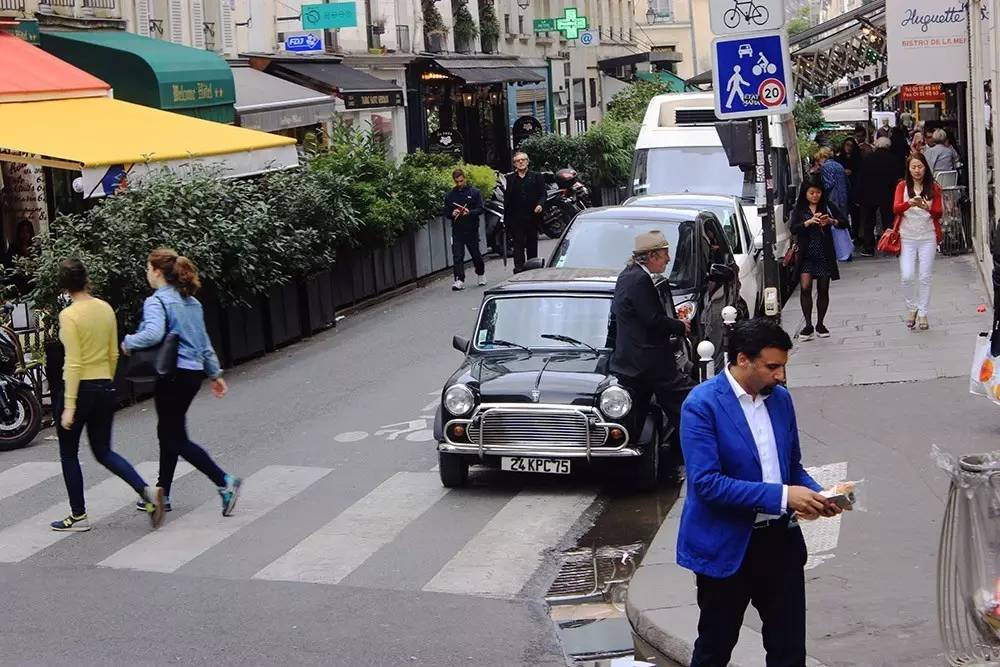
{"points": [[678, 150]]}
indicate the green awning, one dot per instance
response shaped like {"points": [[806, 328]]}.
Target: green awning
{"points": [[676, 83], [151, 72]]}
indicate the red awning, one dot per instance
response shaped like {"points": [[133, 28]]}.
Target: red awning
{"points": [[28, 74]]}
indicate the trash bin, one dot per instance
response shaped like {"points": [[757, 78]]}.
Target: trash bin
{"points": [[969, 560], [955, 224]]}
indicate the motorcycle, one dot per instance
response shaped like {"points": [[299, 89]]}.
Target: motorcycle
{"points": [[20, 410]]}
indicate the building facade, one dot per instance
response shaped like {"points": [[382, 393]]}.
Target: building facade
{"points": [[676, 26]]}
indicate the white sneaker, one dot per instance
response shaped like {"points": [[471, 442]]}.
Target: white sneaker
{"points": [[458, 285], [482, 281]]}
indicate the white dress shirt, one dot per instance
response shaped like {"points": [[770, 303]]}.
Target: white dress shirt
{"points": [[759, 421], [648, 273]]}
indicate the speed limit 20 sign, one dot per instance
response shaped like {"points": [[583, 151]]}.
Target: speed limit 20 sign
{"points": [[751, 75], [771, 93]]}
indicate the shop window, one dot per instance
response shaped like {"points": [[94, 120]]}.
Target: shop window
{"points": [[593, 92]]}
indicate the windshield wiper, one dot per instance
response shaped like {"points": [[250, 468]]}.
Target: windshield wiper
{"points": [[571, 341], [507, 343]]}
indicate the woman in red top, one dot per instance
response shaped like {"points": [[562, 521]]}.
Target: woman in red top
{"points": [[918, 211]]}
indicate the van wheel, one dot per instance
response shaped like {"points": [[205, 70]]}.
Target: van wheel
{"points": [[453, 469]]}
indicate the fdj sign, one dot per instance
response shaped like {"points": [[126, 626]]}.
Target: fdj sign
{"points": [[303, 42], [751, 75]]}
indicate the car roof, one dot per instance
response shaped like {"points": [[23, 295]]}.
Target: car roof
{"points": [[637, 212], [648, 200], [559, 280]]}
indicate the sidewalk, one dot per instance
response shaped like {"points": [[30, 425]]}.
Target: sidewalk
{"points": [[871, 400]]}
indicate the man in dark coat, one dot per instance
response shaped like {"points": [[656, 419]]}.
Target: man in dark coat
{"points": [[876, 189], [464, 204], [643, 359], [524, 201]]}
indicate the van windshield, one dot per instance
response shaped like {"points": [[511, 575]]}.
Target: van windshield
{"points": [[702, 169]]}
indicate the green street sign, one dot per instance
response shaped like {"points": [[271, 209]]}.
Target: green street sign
{"points": [[545, 25], [571, 23], [330, 15]]}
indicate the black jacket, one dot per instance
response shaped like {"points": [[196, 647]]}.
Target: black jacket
{"points": [[468, 197], [642, 329], [797, 226], [522, 196], [879, 175]]}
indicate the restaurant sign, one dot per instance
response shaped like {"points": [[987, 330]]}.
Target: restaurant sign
{"points": [[924, 92], [390, 98], [928, 40]]}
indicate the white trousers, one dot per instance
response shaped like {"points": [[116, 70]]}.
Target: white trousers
{"points": [[918, 296]]}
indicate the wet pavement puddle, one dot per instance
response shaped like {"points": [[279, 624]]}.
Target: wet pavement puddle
{"points": [[587, 598]]}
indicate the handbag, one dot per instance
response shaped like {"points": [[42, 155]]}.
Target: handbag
{"points": [[791, 257], [890, 243], [158, 361]]}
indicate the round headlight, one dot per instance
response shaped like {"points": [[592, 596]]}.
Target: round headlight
{"points": [[615, 402], [458, 400]]}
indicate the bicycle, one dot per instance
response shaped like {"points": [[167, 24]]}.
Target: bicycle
{"points": [[749, 10]]}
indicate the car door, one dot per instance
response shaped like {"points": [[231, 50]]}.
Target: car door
{"points": [[749, 260], [716, 296]]}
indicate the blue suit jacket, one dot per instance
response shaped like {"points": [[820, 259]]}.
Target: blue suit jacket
{"points": [[725, 490]]}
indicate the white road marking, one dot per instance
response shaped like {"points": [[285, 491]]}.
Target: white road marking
{"points": [[342, 545], [504, 555], [823, 534], [32, 535], [350, 436], [24, 476], [181, 541]]}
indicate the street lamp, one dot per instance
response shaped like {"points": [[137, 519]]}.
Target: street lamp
{"points": [[523, 4], [650, 15]]}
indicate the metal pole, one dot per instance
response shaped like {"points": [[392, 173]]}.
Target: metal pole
{"points": [[765, 209], [977, 135]]}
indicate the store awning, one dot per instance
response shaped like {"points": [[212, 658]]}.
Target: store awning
{"points": [[675, 83], [151, 72], [358, 89], [265, 102], [106, 138], [482, 71], [28, 73]]}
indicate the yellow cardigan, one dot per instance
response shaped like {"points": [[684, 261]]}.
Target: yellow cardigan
{"points": [[89, 332]]}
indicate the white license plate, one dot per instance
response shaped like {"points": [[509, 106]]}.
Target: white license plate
{"points": [[522, 464]]}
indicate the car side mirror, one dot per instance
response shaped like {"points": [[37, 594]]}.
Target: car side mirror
{"points": [[720, 273], [534, 263], [460, 343], [758, 242]]}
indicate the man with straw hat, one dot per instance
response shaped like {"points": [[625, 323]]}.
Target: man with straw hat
{"points": [[643, 359]]}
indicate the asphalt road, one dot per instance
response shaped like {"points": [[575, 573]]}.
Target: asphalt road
{"points": [[344, 550]]}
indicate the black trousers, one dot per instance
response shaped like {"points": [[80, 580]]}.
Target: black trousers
{"points": [[524, 237], [772, 579], [868, 215], [465, 235], [670, 394], [173, 396]]}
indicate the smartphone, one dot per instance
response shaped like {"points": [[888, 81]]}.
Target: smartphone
{"points": [[841, 500]]}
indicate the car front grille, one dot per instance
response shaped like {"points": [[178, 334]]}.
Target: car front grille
{"points": [[511, 428]]}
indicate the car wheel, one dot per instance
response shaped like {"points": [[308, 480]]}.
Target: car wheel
{"points": [[647, 467], [454, 470]]}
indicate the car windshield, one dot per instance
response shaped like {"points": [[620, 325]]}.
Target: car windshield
{"points": [[523, 320], [724, 211], [686, 169], [607, 244]]}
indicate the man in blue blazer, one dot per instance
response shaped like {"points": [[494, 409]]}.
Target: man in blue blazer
{"points": [[739, 531]]}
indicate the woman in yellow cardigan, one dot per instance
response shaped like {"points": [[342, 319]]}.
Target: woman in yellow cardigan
{"points": [[89, 332]]}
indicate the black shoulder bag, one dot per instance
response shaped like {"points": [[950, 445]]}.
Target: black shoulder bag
{"points": [[158, 361]]}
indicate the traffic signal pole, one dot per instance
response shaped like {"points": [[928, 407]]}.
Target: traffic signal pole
{"points": [[764, 198]]}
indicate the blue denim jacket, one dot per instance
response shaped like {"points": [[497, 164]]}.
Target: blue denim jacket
{"points": [[187, 320]]}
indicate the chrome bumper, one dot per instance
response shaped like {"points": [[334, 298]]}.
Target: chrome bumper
{"points": [[591, 447]]}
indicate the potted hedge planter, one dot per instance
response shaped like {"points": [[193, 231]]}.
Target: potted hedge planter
{"points": [[439, 249], [403, 257], [318, 300], [245, 330], [422, 251], [385, 275], [284, 318], [344, 292], [213, 323], [363, 273]]}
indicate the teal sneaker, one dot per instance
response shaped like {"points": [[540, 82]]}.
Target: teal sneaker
{"points": [[230, 494]]}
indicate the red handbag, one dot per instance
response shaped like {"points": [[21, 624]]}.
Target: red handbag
{"points": [[890, 243], [791, 257]]}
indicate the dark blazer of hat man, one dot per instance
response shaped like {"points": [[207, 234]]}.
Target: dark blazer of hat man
{"points": [[643, 358], [745, 487]]}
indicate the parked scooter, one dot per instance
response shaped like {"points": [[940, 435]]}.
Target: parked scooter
{"points": [[20, 411]]}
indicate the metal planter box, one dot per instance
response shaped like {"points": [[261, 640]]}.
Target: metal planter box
{"points": [[422, 251], [403, 259], [284, 318], [363, 273], [385, 278], [245, 331], [343, 279], [439, 246], [318, 301]]}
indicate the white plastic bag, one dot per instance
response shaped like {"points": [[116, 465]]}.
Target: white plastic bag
{"points": [[977, 384]]}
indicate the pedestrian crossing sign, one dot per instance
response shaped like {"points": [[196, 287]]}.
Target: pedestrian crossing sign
{"points": [[751, 75]]}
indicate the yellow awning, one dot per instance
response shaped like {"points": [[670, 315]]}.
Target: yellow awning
{"points": [[107, 139]]}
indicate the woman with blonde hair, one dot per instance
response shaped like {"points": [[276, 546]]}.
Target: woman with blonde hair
{"points": [[173, 308]]}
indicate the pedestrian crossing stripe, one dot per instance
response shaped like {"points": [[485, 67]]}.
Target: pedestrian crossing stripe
{"points": [[26, 475]]}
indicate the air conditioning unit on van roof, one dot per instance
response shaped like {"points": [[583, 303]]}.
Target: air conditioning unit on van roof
{"points": [[695, 117]]}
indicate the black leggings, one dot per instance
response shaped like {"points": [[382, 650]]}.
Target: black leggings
{"points": [[822, 297], [173, 397]]}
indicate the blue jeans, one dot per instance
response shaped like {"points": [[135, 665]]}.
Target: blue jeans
{"points": [[95, 411]]}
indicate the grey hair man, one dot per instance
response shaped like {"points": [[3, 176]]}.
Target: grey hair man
{"points": [[940, 156], [524, 203]]}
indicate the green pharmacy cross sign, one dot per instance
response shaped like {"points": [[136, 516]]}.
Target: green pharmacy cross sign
{"points": [[569, 25]]}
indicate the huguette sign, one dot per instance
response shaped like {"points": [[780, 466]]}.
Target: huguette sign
{"points": [[928, 40]]}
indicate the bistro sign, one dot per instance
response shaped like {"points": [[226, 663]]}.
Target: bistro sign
{"points": [[928, 41], [391, 98]]}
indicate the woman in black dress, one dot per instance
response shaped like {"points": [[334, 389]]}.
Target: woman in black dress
{"points": [[812, 222]]}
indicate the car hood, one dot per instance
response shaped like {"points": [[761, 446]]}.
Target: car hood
{"points": [[560, 378]]}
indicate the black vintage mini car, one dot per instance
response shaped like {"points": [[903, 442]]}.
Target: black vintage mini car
{"points": [[534, 393]]}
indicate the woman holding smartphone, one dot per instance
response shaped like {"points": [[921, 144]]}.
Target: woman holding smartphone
{"points": [[812, 221], [918, 209]]}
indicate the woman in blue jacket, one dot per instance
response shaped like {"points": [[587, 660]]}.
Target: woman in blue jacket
{"points": [[173, 308]]}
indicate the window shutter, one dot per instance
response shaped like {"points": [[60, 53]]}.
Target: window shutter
{"points": [[225, 29], [142, 17], [198, 24], [176, 20]]}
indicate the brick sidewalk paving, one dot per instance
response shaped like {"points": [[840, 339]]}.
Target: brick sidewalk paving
{"points": [[869, 342]]}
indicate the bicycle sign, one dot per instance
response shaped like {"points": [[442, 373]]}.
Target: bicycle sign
{"points": [[751, 75], [730, 17]]}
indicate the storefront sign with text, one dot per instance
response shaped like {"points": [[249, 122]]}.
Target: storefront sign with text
{"points": [[928, 40], [924, 92], [372, 100]]}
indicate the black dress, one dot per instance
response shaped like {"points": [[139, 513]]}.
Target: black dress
{"points": [[817, 256]]}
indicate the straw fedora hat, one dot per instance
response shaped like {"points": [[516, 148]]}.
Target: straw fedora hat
{"points": [[650, 241]]}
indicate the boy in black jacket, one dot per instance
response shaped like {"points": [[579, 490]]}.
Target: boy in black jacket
{"points": [[464, 205]]}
